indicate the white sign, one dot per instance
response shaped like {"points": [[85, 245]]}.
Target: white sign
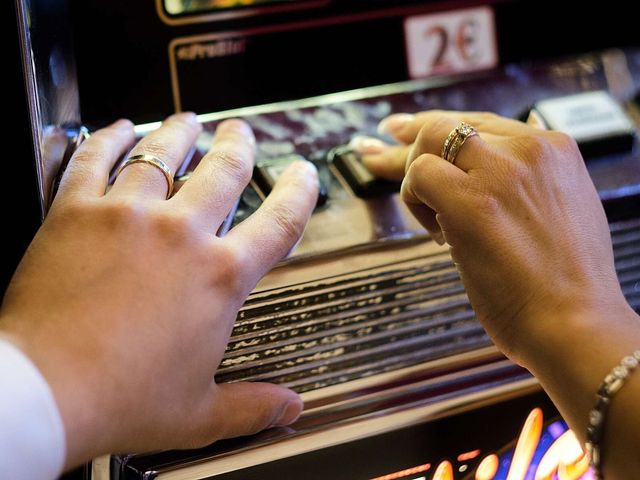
{"points": [[451, 42]]}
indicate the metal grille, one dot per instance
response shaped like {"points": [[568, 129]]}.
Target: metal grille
{"points": [[351, 326]]}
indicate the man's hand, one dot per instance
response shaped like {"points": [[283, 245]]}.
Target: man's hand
{"points": [[125, 301]]}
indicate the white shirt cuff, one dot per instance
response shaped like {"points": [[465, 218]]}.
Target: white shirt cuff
{"points": [[32, 437]]}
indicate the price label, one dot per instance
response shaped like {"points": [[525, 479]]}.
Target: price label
{"points": [[451, 42]]}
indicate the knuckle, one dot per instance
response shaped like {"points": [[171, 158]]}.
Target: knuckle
{"points": [[488, 117], [92, 151], [440, 124], [82, 167], [563, 141], [72, 208], [232, 165], [174, 224], [154, 148], [407, 194], [533, 148], [125, 210], [415, 169], [231, 260], [488, 204], [286, 221]]}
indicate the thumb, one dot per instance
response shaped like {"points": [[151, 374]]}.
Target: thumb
{"points": [[245, 408]]}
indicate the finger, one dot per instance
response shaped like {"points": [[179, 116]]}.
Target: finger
{"points": [[170, 143], [222, 174], [88, 170], [272, 231], [405, 128], [381, 159], [245, 408], [434, 182], [434, 134], [427, 218]]}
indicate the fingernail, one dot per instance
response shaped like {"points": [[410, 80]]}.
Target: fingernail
{"points": [[367, 145], [535, 120], [122, 124], [186, 116], [236, 125], [305, 168], [289, 413], [394, 123], [438, 237]]}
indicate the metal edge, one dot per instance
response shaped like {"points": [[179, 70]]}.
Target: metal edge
{"points": [[31, 87], [167, 19], [317, 101], [353, 431]]}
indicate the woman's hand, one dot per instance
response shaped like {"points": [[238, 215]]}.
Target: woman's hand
{"points": [[523, 220], [529, 236], [125, 301]]}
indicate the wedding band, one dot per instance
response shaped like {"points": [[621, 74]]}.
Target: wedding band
{"points": [[151, 160], [454, 141]]}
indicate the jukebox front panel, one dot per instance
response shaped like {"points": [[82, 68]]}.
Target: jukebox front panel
{"points": [[367, 317]]}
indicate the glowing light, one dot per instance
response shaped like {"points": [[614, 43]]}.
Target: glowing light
{"points": [[526, 446], [404, 473], [564, 451], [573, 469], [556, 429], [444, 471], [463, 457], [562, 458], [488, 467]]}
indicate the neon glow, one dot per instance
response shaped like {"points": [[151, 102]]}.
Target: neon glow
{"points": [[405, 473], [566, 452], [488, 467], [463, 457], [541, 453], [444, 471]]}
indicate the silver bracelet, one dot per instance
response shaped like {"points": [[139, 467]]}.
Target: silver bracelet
{"points": [[609, 387]]}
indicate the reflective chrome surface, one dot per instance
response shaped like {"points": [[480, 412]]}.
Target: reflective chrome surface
{"points": [[51, 83]]}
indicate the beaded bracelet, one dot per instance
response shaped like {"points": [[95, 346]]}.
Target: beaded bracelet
{"points": [[609, 387]]}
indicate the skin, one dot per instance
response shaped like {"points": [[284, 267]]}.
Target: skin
{"points": [[529, 236], [125, 301]]}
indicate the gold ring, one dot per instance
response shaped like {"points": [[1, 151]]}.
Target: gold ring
{"points": [[455, 140], [151, 160]]}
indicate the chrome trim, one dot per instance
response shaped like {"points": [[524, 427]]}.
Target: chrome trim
{"points": [[50, 82], [33, 99], [207, 15], [317, 101], [101, 468], [352, 431]]}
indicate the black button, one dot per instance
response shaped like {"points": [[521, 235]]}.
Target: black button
{"points": [[363, 183], [267, 172]]}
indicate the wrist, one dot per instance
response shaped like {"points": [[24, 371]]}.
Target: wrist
{"points": [[580, 324]]}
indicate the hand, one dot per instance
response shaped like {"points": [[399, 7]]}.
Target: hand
{"points": [[523, 220], [125, 301]]}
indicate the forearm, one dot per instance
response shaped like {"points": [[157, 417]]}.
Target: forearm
{"points": [[570, 356]]}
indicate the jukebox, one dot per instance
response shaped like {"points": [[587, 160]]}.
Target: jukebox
{"points": [[367, 318]]}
